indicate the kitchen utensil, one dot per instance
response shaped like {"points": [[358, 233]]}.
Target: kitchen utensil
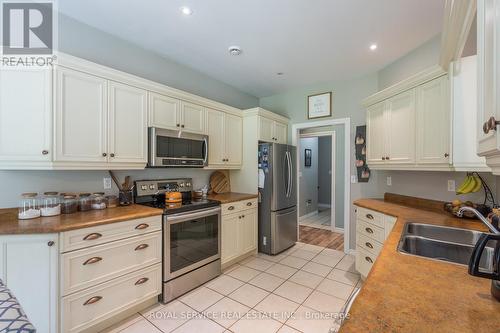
{"points": [[115, 179]]}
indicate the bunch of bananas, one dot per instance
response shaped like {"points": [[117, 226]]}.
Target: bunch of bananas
{"points": [[471, 184]]}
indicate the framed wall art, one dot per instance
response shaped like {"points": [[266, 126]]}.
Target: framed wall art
{"points": [[319, 105], [307, 157]]}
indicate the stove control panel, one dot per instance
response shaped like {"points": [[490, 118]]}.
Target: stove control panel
{"points": [[158, 186]]}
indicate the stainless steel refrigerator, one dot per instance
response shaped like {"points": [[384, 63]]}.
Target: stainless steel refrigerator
{"points": [[277, 197]]}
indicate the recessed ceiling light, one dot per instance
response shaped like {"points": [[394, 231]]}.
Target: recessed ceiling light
{"points": [[186, 10], [234, 50], [373, 47], [280, 73]]}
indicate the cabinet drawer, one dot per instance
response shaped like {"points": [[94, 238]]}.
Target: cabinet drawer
{"points": [[371, 216], [364, 261], [81, 238], [88, 267], [368, 244], [237, 206], [370, 230], [89, 307]]}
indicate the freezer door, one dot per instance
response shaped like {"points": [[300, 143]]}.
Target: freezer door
{"points": [[283, 229], [279, 163]]}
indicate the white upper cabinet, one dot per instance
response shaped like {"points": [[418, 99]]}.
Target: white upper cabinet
{"points": [[127, 124], [193, 118], [400, 129], [81, 112], [216, 138], [224, 139], [433, 122], [272, 131], [26, 115], [280, 132], [234, 139], [164, 111], [376, 134]]}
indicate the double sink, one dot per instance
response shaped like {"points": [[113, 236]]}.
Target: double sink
{"points": [[443, 243]]}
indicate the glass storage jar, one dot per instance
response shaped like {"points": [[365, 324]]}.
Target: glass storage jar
{"points": [[29, 207], [69, 204], [112, 201], [50, 204], [84, 202], [98, 201]]}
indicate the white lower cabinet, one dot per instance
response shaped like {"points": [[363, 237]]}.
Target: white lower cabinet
{"points": [[28, 267], [372, 229], [239, 229]]}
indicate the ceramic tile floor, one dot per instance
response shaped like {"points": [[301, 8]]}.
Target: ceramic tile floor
{"points": [[299, 290]]}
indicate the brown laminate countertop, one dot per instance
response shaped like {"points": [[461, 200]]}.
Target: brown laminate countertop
{"points": [[404, 293], [224, 198], [10, 224]]}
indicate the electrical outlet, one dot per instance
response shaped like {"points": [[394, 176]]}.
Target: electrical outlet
{"points": [[354, 179], [451, 185], [107, 183], [389, 181]]}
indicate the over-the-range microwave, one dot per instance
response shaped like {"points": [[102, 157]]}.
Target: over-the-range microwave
{"points": [[170, 148]]}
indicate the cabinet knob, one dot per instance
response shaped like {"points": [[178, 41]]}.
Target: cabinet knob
{"points": [[446, 155], [104, 154], [387, 157], [112, 155], [178, 125], [491, 124], [182, 126], [249, 204], [230, 208], [45, 152], [383, 158], [50, 243]]}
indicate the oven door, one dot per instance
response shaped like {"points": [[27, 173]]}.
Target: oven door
{"points": [[169, 148], [190, 240]]}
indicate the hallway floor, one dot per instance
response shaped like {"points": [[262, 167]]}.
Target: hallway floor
{"points": [[321, 237], [322, 220]]}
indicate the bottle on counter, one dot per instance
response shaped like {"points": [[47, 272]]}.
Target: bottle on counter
{"points": [[69, 204], [29, 207], [84, 202], [98, 201], [50, 204]]}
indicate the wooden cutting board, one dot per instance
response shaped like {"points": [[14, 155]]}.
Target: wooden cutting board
{"points": [[219, 182]]}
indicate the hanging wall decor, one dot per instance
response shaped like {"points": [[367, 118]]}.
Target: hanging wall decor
{"points": [[360, 145], [307, 157], [319, 105]]}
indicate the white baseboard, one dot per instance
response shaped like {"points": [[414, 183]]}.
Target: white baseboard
{"points": [[308, 215], [320, 205], [339, 230], [352, 252]]}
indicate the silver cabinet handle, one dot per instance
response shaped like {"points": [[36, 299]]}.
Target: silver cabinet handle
{"points": [[92, 260], [92, 300], [142, 226], [141, 281], [141, 247], [369, 230], [92, 236], [369, 260]]}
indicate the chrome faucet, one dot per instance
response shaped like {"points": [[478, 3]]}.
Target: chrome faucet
{"points": [[480, 216]]}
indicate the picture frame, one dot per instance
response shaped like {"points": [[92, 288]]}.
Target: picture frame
{"points": [[319, 105], [307, 157]]}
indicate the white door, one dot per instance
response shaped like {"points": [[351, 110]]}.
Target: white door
{"points": [[81, 111], [248, 231], [375, 133], [164, 111], [127, 124], [26, 114], [193, 118], [433, 122], [280, 132], [229, 238], [28, 267], [400, 127], [234, 139], [266, 129], [216, 140]]}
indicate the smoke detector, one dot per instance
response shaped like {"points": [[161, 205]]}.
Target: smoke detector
{"points": [[234, 50]]}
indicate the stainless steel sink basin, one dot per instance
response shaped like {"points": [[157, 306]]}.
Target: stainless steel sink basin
{"points": [[443, 243]]}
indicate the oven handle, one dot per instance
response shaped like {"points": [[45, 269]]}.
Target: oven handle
{"points": [[182, 217], [152, 146]]}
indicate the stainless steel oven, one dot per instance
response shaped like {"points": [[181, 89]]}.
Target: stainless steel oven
{"points": [[168, 148], [191, 250]]}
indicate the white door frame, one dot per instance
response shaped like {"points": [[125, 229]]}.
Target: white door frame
{"points": [[333, 171], [347, 160]]}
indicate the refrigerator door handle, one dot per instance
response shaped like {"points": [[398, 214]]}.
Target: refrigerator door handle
{"points": [[289, 174]]}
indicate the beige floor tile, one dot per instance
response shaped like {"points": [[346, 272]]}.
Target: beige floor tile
{"points": [[287, 329], [318, 269], [248, 295], [344, 276], [169, 317], [201, 324], [310, 321], [281, 271], [118, 327], [224, 284], [201, 298], [255, 322], [326, 260], [267, 281], [303, 254], [306, 279], [333, 253], [298, 245], [141, 326], [293, 291], [312, 248], [226, 312], [277, 307], [267, 257], [244, 273], [258, 264], [334, 288], [325, 303], [293, 262], [347, 264]]}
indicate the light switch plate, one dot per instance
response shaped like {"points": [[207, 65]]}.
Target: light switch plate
{"points": [[354, 179], [389, 181], [107, 183], [451, 185]]}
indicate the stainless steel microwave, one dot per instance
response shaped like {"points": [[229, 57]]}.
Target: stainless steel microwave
{"points": [[170, 148]]}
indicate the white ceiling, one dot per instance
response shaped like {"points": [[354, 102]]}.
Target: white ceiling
{"points": [[311, 41]]}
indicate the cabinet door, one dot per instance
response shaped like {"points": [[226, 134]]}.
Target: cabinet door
{"points": [[248, 231], [280, 132], [193, 118], [400, 127], [266, 129], [127, 124], [234, 139], [25, 114], [376, 134], [28, 267], [216, 140], [230, 246], [81, 111], [433, 122], [164, 111]]}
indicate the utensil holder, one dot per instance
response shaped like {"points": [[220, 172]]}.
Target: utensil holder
{"points": [[126, 197]]}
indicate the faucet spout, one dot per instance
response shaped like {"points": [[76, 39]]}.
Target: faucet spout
{"points": [[480, 216]]}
